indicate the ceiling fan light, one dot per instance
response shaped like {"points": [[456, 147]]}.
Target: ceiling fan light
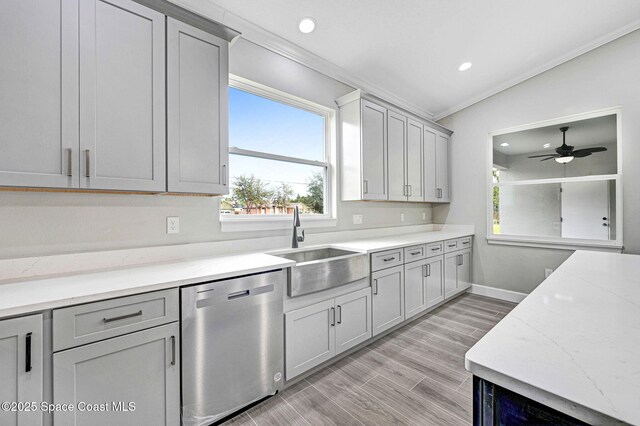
{"points": [[565, 159]]}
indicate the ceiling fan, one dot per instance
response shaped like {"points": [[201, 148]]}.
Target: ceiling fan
{"points": [[565, 153]]}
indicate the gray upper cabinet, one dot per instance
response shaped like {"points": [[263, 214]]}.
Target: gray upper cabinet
{"points": [[21, 366], [443, 192], [389, 155], [396, 142], [39, 93], [197, 81], [122, 96], [415, 161], [374, 152]]}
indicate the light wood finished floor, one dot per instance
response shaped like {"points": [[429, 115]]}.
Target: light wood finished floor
{"points": [[413, 376]]}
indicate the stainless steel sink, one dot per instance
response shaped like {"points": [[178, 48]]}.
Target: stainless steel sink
{"points": [[322, 268]]}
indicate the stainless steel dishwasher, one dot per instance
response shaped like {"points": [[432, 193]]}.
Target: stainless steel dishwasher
{"points": [[232, 345]]}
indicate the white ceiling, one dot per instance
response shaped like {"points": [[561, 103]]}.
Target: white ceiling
{"points": [[592, 132], [412, 48]]}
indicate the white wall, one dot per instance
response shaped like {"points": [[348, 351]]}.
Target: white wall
{"points": [[605, 77], [38, 223]]}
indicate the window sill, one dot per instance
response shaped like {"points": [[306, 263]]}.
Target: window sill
{"points": [[558, 244], [265, 223]]}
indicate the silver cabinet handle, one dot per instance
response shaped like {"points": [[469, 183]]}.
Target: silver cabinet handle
{"points": [[224, 174], [435, 249], [365, 187], [410, 191], [460, 259], [173, 350], [375, 287], [415, 253], [87, 159], [388, 259], [424, 270], [339, 314], [333, 317], [69, 162], [27, 353], [439, 193], [464, 243], [428, 269], [135, 314], [451, 245]]}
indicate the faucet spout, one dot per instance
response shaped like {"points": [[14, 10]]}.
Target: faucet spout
{"points": [[296, 223]]}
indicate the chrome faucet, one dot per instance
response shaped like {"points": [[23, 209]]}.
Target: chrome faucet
{"points": [[296, 223]]}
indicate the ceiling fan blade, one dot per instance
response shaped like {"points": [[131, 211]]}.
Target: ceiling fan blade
{"points": [[590, 150], [555, 156], [581, 153], [543, 155]]}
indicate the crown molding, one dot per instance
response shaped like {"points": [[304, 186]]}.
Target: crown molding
{"points": [[546, 67]]}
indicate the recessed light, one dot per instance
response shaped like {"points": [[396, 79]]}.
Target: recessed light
{"points": [[546, 145], [504, 144], [307, 25], [465, 66]]}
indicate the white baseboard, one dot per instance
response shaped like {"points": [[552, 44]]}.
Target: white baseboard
{"points": [[497, 293]]}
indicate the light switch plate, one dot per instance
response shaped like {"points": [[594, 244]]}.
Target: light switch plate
{"points": [[357, 219], [401, 217], [424, 215], [173, 225]]}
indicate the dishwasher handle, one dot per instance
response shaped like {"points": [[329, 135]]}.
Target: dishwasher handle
{"points": [[215, 296]]}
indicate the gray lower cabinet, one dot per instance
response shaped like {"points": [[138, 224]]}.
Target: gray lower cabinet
{"points": [[316, 333], [132, 380], [197, 81], [457, 271], [388, 298], [122, 96], [21, 368], [39, 93], [434, 281], [415, 289]]}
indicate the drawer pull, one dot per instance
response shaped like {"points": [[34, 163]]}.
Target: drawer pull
{"points": [[414, 253], [375, 287], [435, 249], [135, 314], [388, 259], [27, 351], [173, 350], [339, 314], [451, 245], [464, 243], [333, 317]]}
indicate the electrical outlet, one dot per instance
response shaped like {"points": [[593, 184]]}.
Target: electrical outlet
{"points": [[424, 215], [547, 272], [357, 219], [401, 217], [173, 225]]}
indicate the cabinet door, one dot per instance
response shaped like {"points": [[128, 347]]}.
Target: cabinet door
{"points": [[141, 368], [414, 288], [374, 152], [197, 81], [450, 274], [464, 269], [353, 319], [442, 168], [388, 298], [21, 368], [414, 161], [309, 337], [396, 142], [434, 281], [39, 93], [429, 159], [122, 96]]}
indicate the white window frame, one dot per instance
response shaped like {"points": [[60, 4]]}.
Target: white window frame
{"points": [[553, 242], [240, 223]]}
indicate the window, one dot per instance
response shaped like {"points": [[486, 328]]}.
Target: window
{"points": [[557, 184], [279, 158]]}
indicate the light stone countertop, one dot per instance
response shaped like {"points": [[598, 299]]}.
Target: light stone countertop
{"points": [[574, 343], [41, 293]]}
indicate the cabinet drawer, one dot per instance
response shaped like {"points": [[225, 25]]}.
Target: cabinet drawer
{"points": [[435, 249], [82, 324], [451, 245], [414, 253], [464, 242], [386, 259]]}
